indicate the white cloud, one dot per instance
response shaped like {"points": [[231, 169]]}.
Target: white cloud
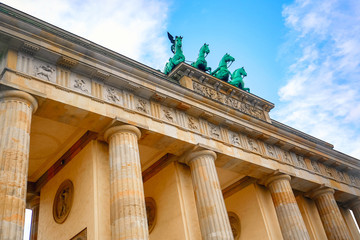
{"points": [[136, 29], [322, 94]]}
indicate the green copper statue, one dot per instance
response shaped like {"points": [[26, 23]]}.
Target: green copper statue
{"points": [[222, 71], [201, 63], [237, 79], [178, 54]]}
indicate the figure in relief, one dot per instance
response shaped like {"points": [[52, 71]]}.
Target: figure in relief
{"points": [[80, 84], [44, 71]]}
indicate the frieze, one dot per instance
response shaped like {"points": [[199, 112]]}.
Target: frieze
{"points": [[230, 101], [48, 72]]}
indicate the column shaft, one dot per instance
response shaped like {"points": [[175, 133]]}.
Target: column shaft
{"points": [[127, 201], [214, 221], [333, 222], [291, 222], [16, 110]]}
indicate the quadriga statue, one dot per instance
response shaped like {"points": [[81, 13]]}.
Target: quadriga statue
{"points": [[222, 72], [201, 62], [178, 57], [237, 79]]}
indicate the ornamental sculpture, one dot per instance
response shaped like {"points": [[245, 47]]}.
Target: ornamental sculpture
{"points": [[237, 79], [201, 63], [63, 201], [178, 57], [222, 72]]}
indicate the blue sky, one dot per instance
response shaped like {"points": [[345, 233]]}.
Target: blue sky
{"points": [[302, 55]]}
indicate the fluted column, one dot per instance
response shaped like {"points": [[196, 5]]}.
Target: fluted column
{"points": [[16, 110], [214, 221], [290, 220], [127, 202], [355, 207], [333, 222]]}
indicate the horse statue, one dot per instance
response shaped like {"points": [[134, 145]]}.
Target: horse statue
{"points": [[237, 79], [178, 53], [222, 71], [201, 63]]}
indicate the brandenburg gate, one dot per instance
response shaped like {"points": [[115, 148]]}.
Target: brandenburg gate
{"points": [[100, 146]]}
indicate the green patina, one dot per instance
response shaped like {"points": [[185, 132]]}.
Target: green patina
{"points": [[178, 53], [201, 63], [237, 79], [222, 72]]}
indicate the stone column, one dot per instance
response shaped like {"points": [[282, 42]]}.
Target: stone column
{"points": [[16, 110], [290, 220], [333, 222], [127, 202], [355, 207], [214, 221]]}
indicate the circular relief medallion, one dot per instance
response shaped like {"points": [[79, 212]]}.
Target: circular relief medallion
{"points": [[235, 224], [63, 201], [150, 212]]}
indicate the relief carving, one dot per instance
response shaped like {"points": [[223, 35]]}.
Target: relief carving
{"points": [[341, 176], [214, 130], [286, 157], [168, 115], [352, 179], [235, 225], [235, 139], [300, 160], [192, 123], [63, 201], [315, 166], [80, 84], [44, 72], [328, 171], [112, 94], [142, 105], [253, 145], [244, 107], [270, 150], [150, 212]]}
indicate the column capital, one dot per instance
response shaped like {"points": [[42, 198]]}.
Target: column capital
{"points": [[16, 94], [122, 128], [194, 155], [276, 177], [317, 192]]}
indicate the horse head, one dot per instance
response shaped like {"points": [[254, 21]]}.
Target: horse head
{"points": [[243, 72], [178, 41], [205, 49], [228, 58]]}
